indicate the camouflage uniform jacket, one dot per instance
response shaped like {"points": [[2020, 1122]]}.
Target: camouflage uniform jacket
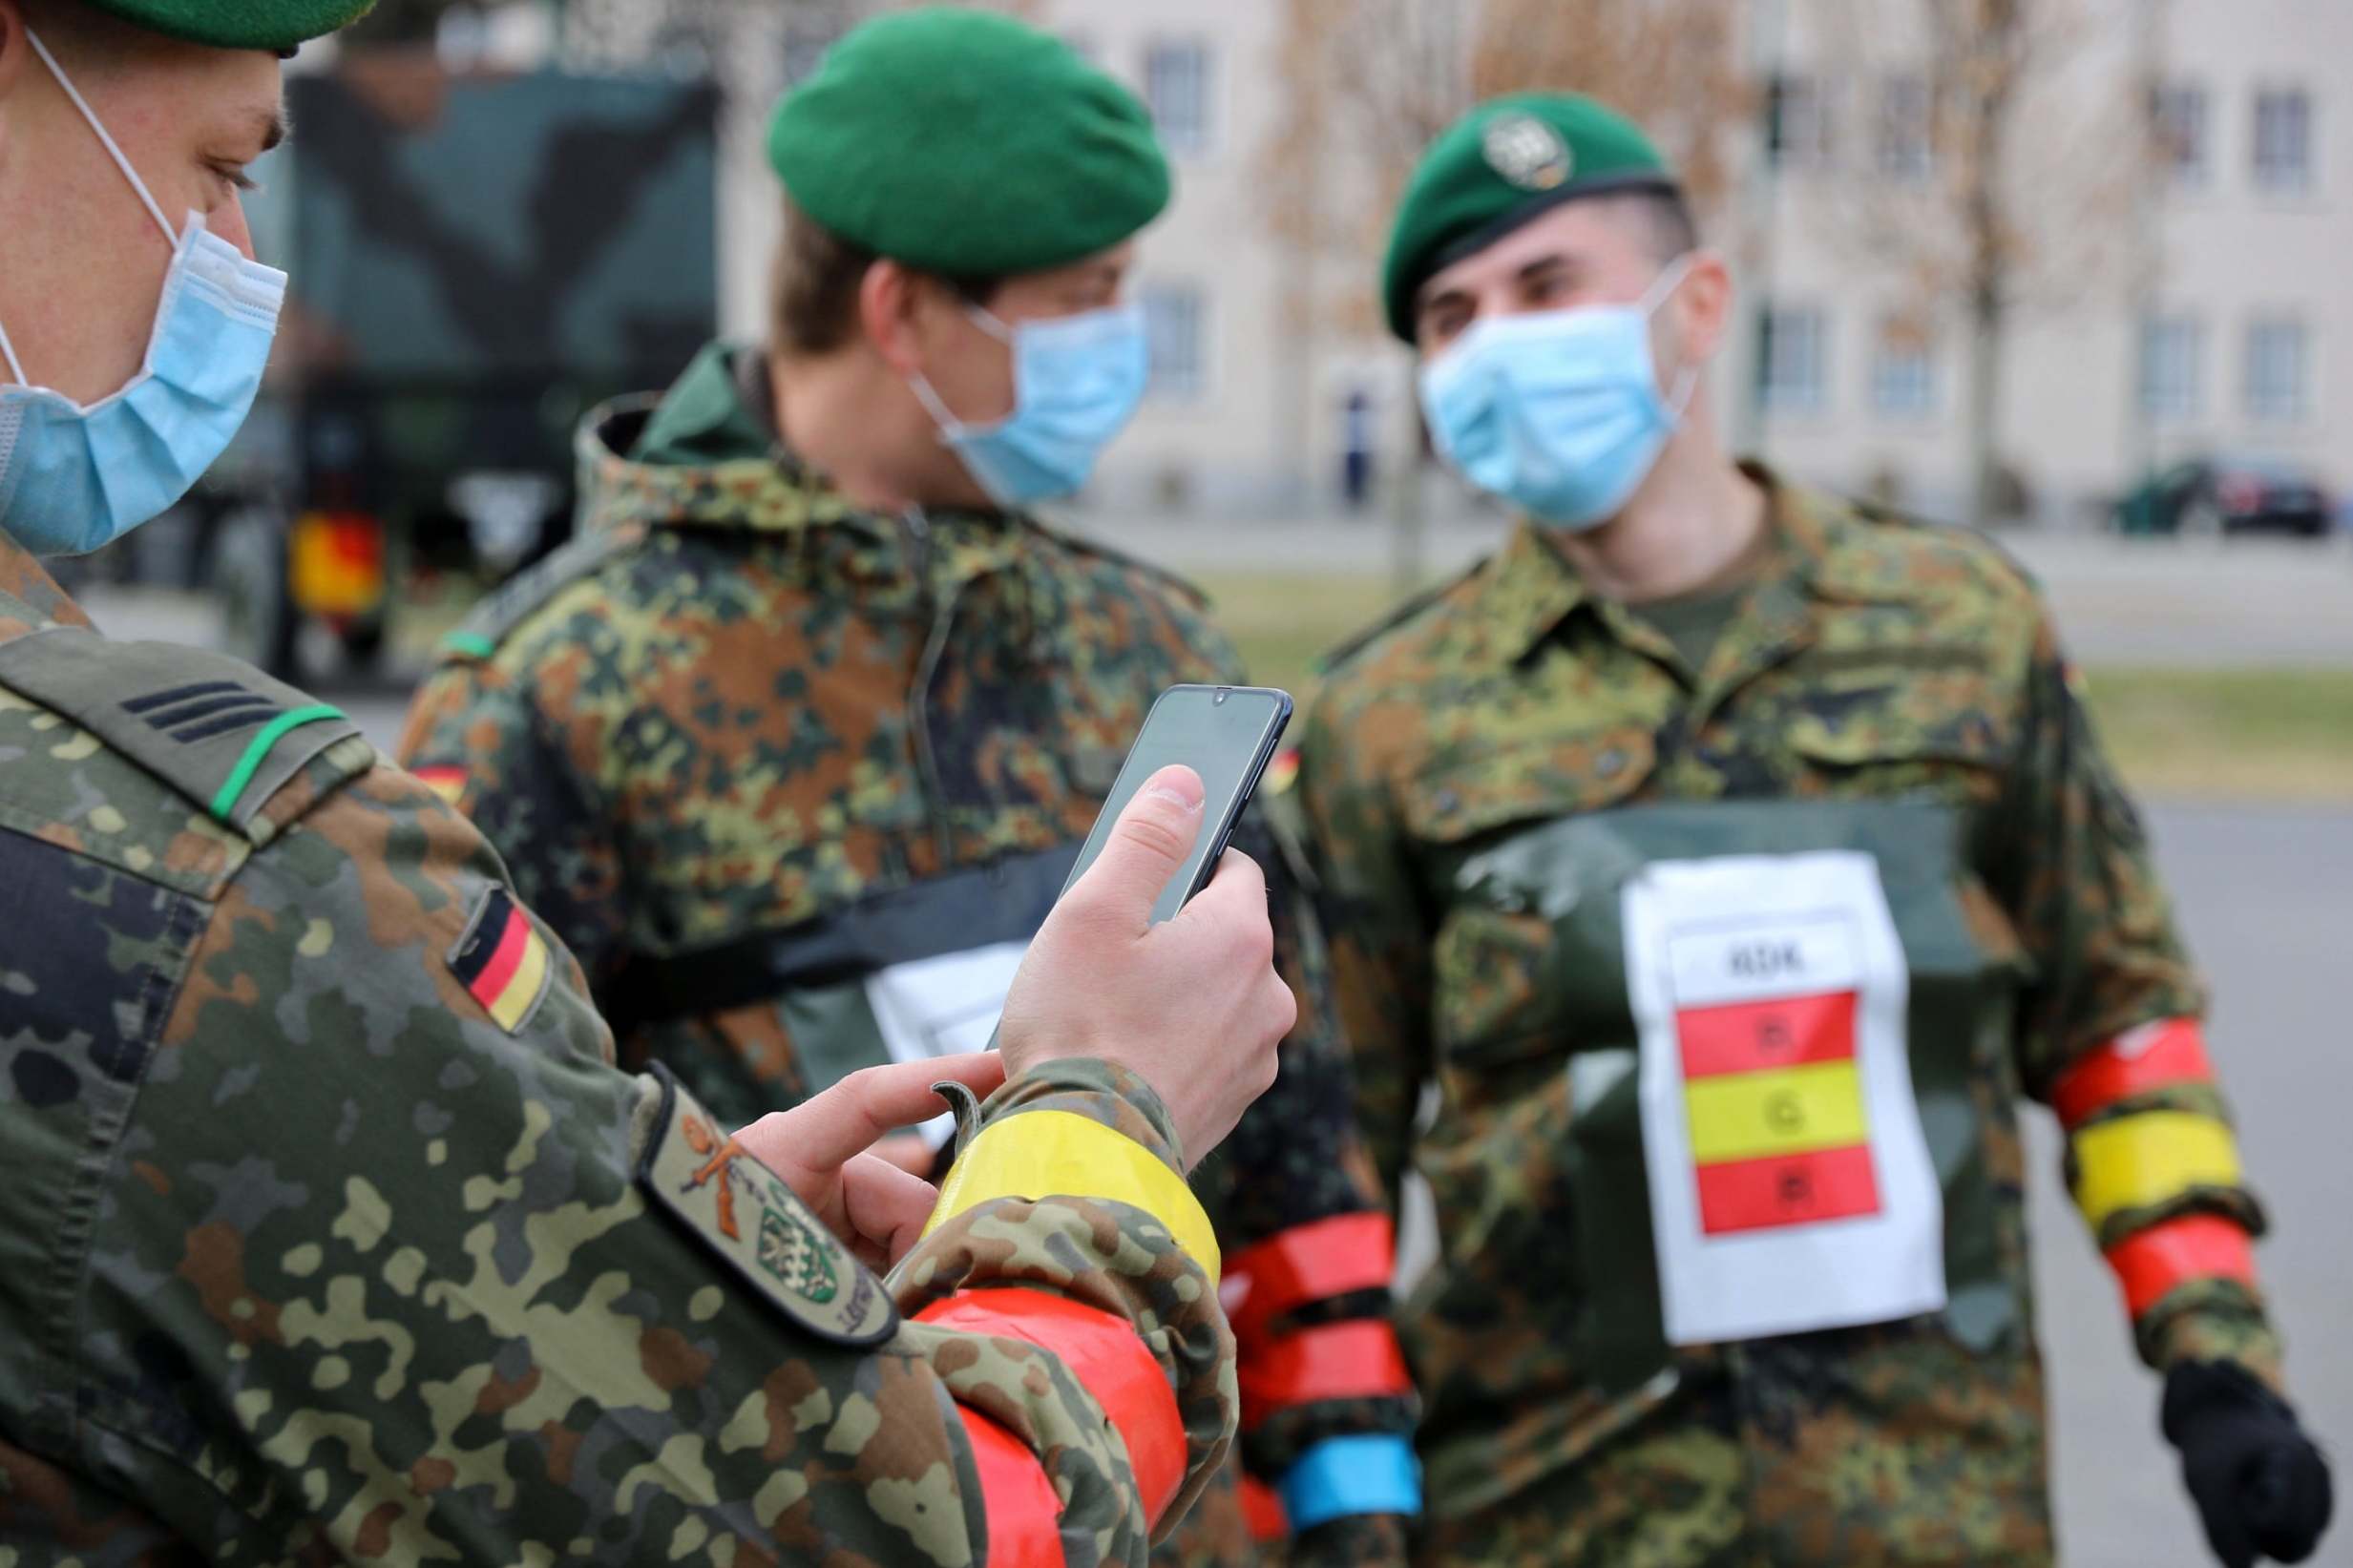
{"points": [[740, 714], [1872, 667], [329, 1231]]}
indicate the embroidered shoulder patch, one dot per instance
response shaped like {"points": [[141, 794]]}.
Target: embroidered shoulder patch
{"points": [[501, 960], [744, 1212]]}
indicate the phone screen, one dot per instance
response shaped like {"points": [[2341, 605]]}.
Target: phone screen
{"points": [[1224, 733]]}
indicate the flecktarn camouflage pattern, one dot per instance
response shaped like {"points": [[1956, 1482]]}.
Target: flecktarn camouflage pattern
{"points": [[760, 756], [1509, 777], [328, 1233]]}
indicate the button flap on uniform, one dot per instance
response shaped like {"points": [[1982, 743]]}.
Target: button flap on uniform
{"points": [[1473, 793], [1892, 725], [744, 1212], [219, 731]]}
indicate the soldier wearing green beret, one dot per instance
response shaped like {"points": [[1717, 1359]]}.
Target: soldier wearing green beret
{"points": [[329, 1231], [1733, 863], [794, 746]]}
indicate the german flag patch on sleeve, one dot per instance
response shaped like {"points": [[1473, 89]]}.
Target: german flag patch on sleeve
{"points": [[502, 961], [447, 782]]}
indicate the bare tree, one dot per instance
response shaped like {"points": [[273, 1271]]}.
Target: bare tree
{"points": [[1370, 83], [1995, 172]]}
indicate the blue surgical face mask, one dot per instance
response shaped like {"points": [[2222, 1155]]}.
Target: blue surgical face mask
{"points": [[1557, 411], [1075, 381], [73, 477]]}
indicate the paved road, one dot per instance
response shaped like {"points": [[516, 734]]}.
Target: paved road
{"points": [[2267, 901], [2267, 898]]}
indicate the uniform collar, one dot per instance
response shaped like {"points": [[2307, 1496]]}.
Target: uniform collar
{"points": [[30, 597], [1532, 587], [706, 454], [716, 411]]}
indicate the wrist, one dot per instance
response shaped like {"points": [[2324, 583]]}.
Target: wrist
{"points": [[2213, 1322], [1095, 1087]]}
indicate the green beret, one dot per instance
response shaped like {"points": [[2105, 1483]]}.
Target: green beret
{"points": [[964, 142], [276, 25], [1497, 167]]}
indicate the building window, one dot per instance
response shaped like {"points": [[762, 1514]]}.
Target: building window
{"points": [[2177, 120], [2283, 141], [1796, 123], [2170, 348], [1903, 369], [805, 43], [1905, 129], [1792, 354], [2277, 361], [1173, 325], [1176, 86]]}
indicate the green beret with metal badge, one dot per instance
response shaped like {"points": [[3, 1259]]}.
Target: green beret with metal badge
{"points": [[1507, 161], [964, 142], [280, 26]]}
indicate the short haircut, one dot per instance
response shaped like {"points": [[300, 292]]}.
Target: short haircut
{"points": [[813, 287], [1672, 230], [84, 38]]}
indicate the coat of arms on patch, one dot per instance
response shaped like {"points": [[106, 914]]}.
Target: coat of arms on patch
{"points": [[789, 1251], [1526, 151]]}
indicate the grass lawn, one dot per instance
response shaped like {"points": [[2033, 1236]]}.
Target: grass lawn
{"points": [[2244, 735]]}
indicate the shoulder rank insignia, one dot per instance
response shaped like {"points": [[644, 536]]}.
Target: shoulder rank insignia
{"points": [[744, 1212], [501, 960]]}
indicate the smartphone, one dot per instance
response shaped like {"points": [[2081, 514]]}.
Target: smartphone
{"points": [[1227, 734]]}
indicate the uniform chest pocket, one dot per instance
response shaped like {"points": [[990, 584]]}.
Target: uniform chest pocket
{"points": [[1524, 965], [1949, 745]]}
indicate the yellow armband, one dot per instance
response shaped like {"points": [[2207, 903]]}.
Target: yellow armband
{"points": [[2134, 1161], [1043, 1154]]}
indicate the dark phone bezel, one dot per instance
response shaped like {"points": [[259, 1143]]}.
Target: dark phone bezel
{"points": [[1251, 781], [1274, 739]]}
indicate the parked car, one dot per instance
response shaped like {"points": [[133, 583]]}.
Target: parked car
{"points": [[2211, 496]]}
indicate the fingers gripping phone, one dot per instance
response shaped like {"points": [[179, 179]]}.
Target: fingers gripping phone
{"points": [[1227, 734]]}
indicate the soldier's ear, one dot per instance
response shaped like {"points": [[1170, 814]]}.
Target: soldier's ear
{"points": [[1704, 302], [890, 311], [15, 53]]}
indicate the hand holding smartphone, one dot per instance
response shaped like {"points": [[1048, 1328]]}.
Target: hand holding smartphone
{"points": [[1227, 735]]}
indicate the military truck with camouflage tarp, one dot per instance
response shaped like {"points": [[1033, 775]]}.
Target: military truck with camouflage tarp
{"points": [[476, 258]]}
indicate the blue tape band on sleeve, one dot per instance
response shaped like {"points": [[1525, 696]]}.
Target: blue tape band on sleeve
{"points": [[1343, 1475]]}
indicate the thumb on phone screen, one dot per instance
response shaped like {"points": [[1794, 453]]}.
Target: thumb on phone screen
{"points": [[1193, 1005]]}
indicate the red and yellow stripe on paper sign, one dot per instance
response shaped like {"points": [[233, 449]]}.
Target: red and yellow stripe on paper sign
{"points": [[501, 961], [1776, 1112]]}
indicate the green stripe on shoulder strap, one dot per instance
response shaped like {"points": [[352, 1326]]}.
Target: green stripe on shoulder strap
{"points": [[258, 749]]}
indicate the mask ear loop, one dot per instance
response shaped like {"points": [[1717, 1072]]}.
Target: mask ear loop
{"points": [[1671, 277], [171, 235], [952, 427], [16, 368]]}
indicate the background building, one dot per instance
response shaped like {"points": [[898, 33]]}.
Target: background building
{"points": [[2176, 192], [2207, 307]]}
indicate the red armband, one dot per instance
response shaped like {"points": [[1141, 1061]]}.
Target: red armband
{"points": [[1354, 1360], [1104, 1354], [2195, 1246], [1262, 1511], [1305, 1264], [1025, 1515], [2163, 1054]]}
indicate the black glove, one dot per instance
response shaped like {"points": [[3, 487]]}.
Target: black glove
{"points": [[2260, 1485]]}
